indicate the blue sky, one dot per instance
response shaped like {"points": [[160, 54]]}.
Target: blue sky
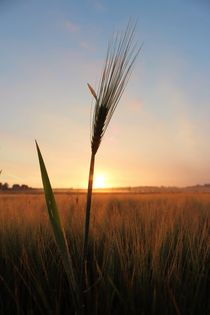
{"points": [[50, 49]]}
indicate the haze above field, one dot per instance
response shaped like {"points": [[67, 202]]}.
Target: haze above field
{"points": [[159, 134]]}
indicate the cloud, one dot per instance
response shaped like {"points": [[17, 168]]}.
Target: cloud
{"points": [[98, 5], [84, 45], [71, 27], [136, 105]]}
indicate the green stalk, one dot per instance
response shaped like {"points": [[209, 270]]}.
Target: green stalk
{"points": [[86, 229]]}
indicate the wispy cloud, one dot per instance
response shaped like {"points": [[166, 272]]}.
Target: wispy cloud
{"points": [[98, 5], [136, 105], [72, 27], [84, 45], [88, 46]]}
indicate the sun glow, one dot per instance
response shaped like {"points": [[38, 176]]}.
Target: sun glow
{"points": [[99, 181]]}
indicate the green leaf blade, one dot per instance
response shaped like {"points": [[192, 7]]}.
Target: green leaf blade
{"points": [[55, 221]]}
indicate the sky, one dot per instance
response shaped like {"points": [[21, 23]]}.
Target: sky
{"points": [[159, 134]]}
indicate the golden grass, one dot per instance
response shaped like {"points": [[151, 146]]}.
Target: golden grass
{"points": [[148, 252]]}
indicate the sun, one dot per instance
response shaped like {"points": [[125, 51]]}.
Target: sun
{"points": [[99, 181]]}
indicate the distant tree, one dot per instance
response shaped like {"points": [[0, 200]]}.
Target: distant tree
{"points": [[24, 187], [16, 187], [207, 185], [5, 186]]}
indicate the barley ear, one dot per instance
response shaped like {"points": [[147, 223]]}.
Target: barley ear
{"points": [[121, 55]]}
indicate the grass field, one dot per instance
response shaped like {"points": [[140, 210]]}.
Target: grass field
{"points": [[148, 254]]}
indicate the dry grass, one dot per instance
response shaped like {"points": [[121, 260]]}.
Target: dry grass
{"points": [[148, 254]]}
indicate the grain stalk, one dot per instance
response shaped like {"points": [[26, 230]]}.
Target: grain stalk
{"points": [[121, 54]]}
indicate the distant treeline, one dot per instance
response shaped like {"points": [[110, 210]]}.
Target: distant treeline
{"points": [[15, 187]]}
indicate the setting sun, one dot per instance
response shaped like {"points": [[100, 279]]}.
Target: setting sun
{"points": [[99, 181]]}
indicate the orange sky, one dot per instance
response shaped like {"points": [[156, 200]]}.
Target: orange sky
{"points": [[159, 132]]}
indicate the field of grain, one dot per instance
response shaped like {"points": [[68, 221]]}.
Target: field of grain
{"points": [[148, 254]]}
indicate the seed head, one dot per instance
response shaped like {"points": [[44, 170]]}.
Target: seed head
{"points": [[121, 54]]}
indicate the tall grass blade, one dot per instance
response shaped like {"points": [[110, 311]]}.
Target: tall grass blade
{"points": [[59, 234]]}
